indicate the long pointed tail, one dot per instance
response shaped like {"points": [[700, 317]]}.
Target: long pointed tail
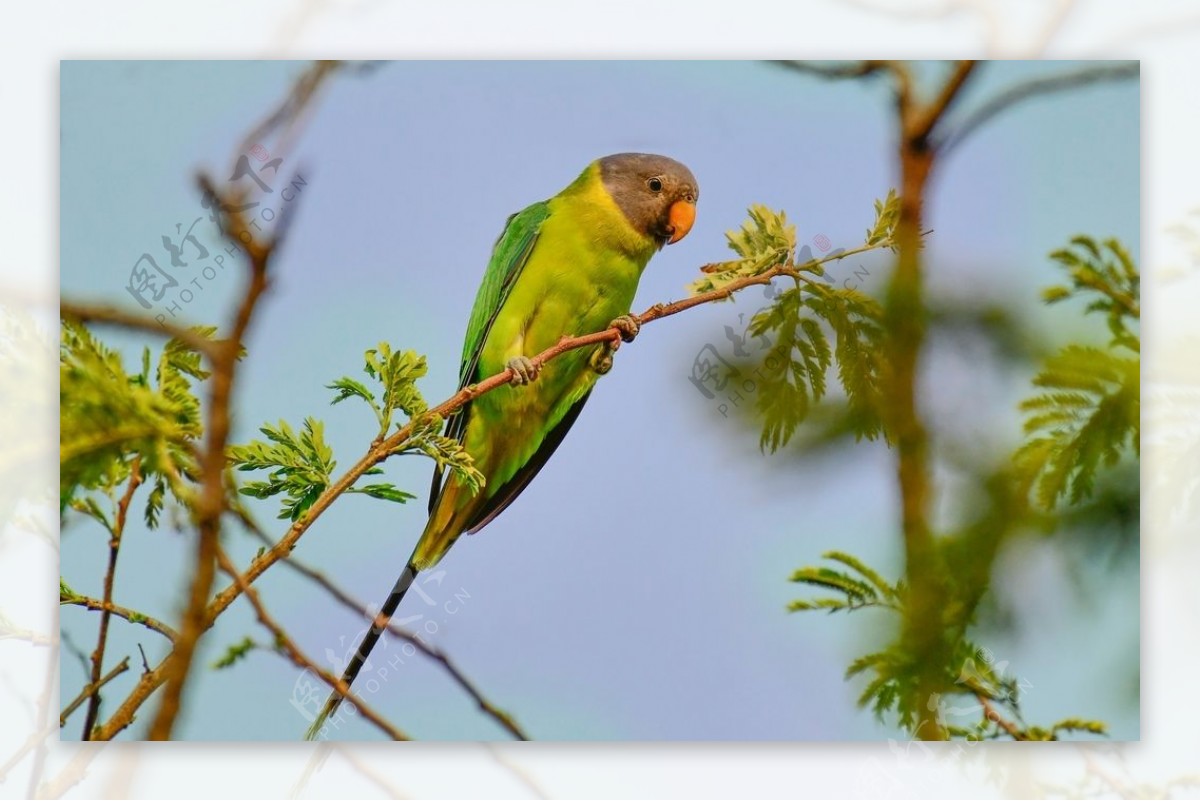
{"points": [[403, 583]]}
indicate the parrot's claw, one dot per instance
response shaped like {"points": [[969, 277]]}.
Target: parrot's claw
{"points": [[627, 325], [524, 370], [601, 360]]}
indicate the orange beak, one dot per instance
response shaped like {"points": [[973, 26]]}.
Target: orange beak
{"points": [[681, 216]]}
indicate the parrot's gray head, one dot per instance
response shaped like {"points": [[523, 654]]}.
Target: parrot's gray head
{"points": [[657, 194]]}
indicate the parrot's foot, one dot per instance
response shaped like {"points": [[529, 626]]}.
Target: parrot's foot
{"points": [[627, 325], [524, 370], [601, 360]]}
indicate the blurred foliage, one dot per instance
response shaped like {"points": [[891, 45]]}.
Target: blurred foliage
{"points": [[1084, 419], [978, 701], [235, 653], [108, 417], [1089, 413]]}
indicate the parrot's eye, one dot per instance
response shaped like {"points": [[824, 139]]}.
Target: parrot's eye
{"points": [[655, 185]]}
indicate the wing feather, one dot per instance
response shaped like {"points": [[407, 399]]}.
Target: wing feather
{"points": [[509, 256], [516, 485]]}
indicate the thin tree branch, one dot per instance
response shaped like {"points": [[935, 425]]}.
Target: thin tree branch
{"points": [[149, 682], [285, 646], [223, 356], [926, 118], [114, 548], [287, 113], [835, 71], [504, 719], [92, 690], [133, 616], [211, 501], [1021, 92], [113, 315]]}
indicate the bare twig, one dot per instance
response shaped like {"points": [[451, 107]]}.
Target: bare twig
{"points": [[114, 548], [285, 646], [124, 715], [97, 605], [298, 99], [92, 690], [924, 119], [1028, 89], [504, 719], [113, 315], [836, 70]]}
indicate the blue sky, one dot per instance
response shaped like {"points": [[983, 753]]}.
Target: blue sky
{"points": [[637, 588]]}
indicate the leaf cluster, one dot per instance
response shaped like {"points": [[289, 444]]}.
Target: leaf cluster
{"points": [[764, 241], [108, 417], [968, 677], [301, 464], [809, 326], [1088, 414], [793, 373]]}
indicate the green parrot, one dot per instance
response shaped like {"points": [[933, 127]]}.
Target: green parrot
{"points": [[565, 266]]}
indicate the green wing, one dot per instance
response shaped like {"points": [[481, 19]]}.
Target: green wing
{"points": [[509, 256]]}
